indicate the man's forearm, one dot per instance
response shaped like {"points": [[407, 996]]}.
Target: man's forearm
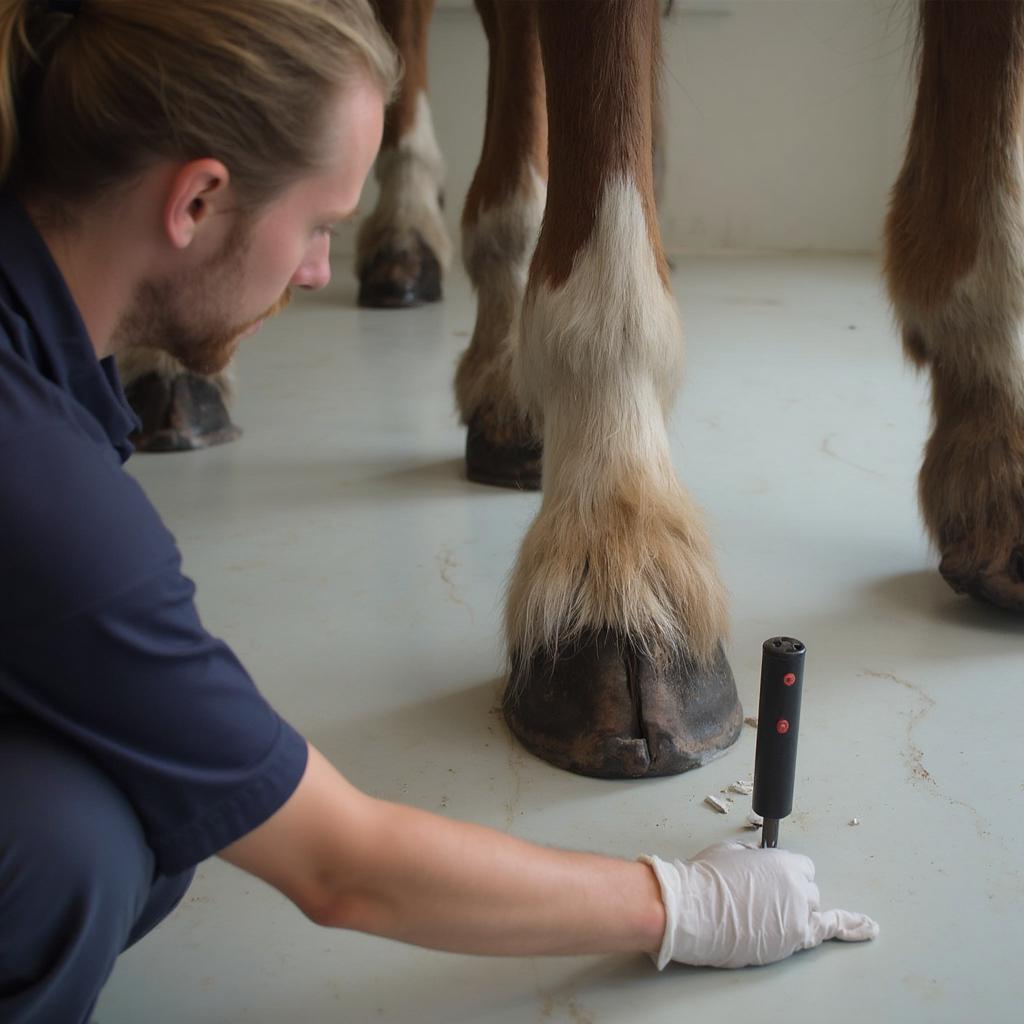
{"points": [[465, 888], [348, 860]]}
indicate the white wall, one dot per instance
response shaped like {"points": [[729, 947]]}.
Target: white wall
{"points": [[787, 122], [786, 119]]}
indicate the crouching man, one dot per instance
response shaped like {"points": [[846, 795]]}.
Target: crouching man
{"points": [[169, 171]]}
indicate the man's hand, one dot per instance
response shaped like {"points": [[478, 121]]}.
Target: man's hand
{"points": [[734, 905]]}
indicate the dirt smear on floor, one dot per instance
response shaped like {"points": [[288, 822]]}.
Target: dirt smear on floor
{"points": [[447, 564], [913, 755]]}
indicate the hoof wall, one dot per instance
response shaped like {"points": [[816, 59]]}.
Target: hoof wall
{"points": [[1000, 582], [179, 414], [400, 279], [604, 709], [517, 466]]}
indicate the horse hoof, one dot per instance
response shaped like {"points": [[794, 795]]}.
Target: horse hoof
{"points": [[179, 414], [400, 279], [516, 465], [605, 709], [999, 581]]}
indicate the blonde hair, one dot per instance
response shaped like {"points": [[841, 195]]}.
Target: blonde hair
{"points": [[89, 100]]}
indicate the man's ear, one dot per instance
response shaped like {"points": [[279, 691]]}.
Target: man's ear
{"points": [[197, 190]]}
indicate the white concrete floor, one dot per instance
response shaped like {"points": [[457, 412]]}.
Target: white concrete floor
{"points": [[359, 576]]}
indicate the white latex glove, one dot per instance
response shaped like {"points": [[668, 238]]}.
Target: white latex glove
{"points": [[734, 905]]}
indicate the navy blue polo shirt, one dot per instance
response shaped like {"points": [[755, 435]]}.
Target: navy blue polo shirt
{"points": [[99, 636]]}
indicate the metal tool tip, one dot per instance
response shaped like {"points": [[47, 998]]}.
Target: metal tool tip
{"points": [[770, 834]]}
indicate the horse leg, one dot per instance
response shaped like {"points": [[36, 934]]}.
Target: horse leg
{"points": [[403, 247], [616, 612], [500, 223], [955, 272]]}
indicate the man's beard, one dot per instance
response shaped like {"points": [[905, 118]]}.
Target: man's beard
{"points": [[186, 315]]}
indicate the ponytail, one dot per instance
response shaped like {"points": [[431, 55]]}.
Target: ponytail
{"points": [[14, 55]]}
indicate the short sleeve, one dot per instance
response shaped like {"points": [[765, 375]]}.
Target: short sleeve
{"points": [[104, 645]]}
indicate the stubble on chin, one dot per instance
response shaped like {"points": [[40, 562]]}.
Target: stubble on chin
{"points": [[152, 323]]}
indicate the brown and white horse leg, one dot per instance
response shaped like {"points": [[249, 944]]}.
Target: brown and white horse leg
{"points": [[955, 270], [403, 247], [178, 410], [500, 223], [616, 613]]}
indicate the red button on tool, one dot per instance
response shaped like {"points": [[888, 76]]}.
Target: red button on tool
{"points": [[789, 679], [782, 726]]}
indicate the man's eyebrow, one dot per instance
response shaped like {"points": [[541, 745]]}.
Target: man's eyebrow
{"points": [[341, 218]]}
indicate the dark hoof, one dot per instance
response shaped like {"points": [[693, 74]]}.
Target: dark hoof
{"points": [[402, 279], [604, 709], [1000, 582], [179, 414], [515, 465]]}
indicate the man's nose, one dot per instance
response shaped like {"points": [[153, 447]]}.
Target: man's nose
{"points": [[315, 269]]}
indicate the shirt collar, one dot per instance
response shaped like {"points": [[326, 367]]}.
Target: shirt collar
{"points": [[63, 350]]}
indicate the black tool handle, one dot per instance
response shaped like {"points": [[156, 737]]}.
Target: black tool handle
{"points": [[778, 723]]}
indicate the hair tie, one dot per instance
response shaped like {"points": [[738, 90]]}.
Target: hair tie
{"points": [[71, 7]]}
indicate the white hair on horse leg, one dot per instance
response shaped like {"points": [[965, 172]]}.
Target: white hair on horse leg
{"points": [[618, 542], [496, 249], [411, 178]]}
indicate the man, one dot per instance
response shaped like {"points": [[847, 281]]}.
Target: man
{"points": [[169, 171]]}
